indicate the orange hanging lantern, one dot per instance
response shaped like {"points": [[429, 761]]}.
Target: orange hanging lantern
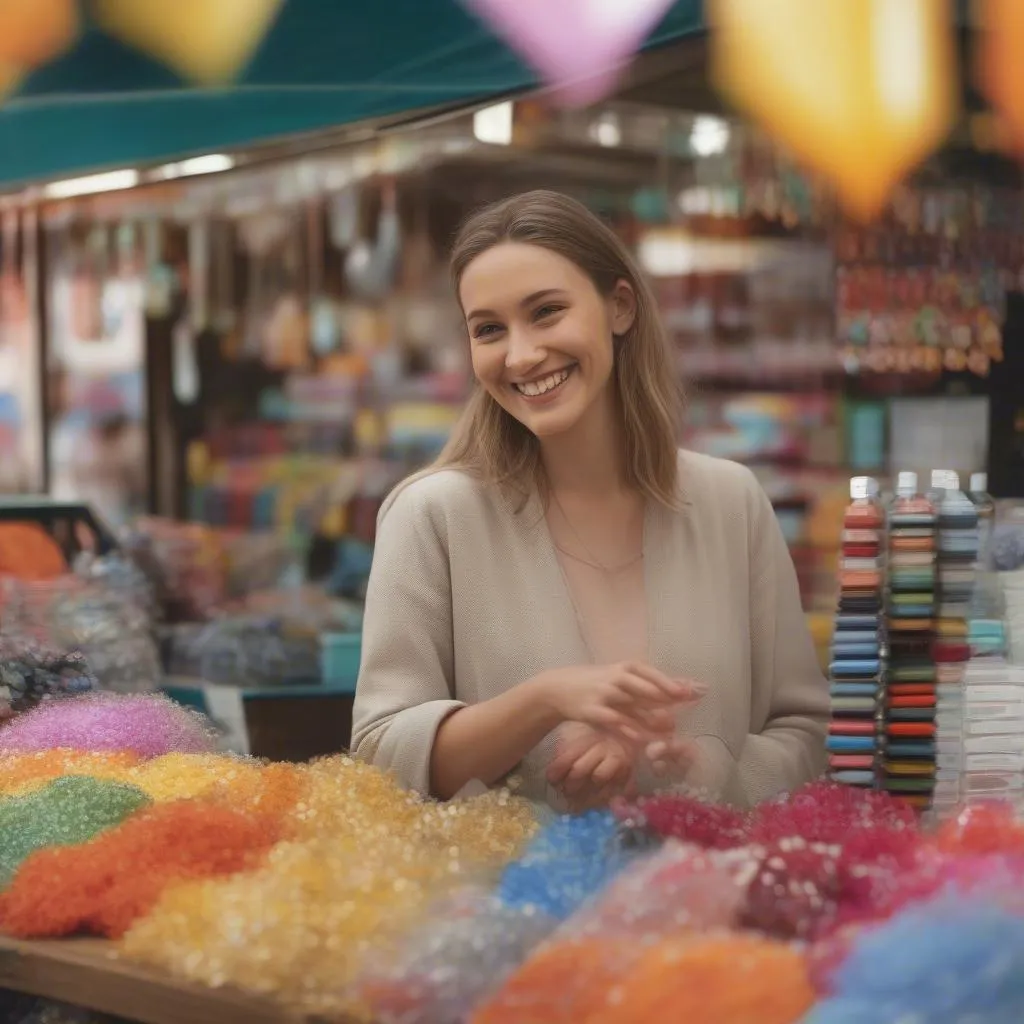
{"points": [[33, 32], [998, 68], [859, 90], [208, 41]]}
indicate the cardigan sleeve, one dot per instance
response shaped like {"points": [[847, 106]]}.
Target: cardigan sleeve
{"points": [[406, 684], [789, 696]]}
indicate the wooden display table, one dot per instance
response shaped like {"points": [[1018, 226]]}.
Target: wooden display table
{"points": [[87, 973]]}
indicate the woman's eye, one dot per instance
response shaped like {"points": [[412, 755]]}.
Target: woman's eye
{"points": [[486, 331], [546, 312]]}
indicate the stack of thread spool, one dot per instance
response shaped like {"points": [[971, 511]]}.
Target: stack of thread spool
{"points": [[857, 664], [957, 556], [909, 765]]}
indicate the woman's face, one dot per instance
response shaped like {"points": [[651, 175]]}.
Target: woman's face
{"points": [[541, 335]]}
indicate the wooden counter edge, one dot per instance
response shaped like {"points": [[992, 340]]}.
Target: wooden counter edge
{"points": [[87, 973]]}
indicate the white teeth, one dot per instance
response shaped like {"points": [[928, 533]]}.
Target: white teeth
{"points": [[534, 388]]}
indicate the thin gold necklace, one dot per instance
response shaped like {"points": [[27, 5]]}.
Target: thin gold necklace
{"points": [[593, 563]]}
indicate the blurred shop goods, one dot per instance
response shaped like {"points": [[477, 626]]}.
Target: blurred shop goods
{"points": [[31, 672], [923, 290], [29, 553], [244, 651], [98, 438], [103, 611]]}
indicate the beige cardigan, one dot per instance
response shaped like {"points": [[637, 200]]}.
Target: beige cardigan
{"points": [[466, 599]]}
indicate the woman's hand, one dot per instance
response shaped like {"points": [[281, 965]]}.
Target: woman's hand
{"points": [[631, 700], [591, 768]]}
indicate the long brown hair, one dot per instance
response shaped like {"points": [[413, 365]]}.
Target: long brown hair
{"points": [[492, 445]]}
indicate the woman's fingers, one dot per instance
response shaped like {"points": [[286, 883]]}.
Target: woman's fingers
{"points": [[674, 689]]}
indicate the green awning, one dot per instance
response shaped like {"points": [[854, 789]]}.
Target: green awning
{"points": [[324, 63]]}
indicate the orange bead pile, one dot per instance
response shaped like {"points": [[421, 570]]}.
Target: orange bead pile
{"points": [[103, 886]]}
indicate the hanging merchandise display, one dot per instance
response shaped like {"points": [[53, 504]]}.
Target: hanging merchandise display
{"points": [[909, 764], [860, 90], [579, 46], [925, 291], [857, 663], [209, 43]]}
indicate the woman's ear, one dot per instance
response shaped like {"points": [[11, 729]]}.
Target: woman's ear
{"points": [[622, 308]]}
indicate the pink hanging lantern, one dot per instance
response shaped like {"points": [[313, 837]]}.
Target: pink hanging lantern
{"points": [[578, 47]]}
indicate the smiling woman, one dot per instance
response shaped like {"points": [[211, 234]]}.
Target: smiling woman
{"points": [[565, 596]]}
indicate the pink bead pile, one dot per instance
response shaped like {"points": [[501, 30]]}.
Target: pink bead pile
{"points": [[147, 725]]}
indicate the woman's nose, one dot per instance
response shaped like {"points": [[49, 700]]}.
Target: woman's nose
{"points": [[523, 352]]}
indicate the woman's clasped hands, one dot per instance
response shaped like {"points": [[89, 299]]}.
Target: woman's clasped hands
{"points": [[617, 719]]}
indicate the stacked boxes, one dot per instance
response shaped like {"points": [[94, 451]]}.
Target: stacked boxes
{"points": [[857, 664]]}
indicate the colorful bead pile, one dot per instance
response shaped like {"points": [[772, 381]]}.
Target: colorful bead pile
{"points": [[23, 773], [571, 860], [857, 666], [65, 812], [459, 956], [104, 885], [364, 862], [331, 890], [146, 725]]}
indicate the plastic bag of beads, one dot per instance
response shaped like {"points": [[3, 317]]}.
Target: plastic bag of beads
{"points": [[466, 948], [109, 627], [146, 724], [243, 651], [64, 812], [31, 672]]}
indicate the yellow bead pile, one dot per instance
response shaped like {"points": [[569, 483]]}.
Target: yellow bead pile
{"points": [[365, 860]]}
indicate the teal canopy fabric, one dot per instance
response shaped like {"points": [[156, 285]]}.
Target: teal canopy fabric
{"points": [[323, 63]]}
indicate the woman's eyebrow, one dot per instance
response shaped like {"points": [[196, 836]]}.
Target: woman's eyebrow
{"points": [[530, 299]]}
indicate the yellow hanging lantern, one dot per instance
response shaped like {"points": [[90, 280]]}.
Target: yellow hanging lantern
{"points": [[859, 90], [998, 67], [33, 32], [209, 41]]}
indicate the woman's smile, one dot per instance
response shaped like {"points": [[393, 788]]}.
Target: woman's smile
{"points": [[544, 389]]}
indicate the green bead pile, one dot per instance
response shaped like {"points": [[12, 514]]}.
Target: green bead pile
{"points": [[69, 810]]}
